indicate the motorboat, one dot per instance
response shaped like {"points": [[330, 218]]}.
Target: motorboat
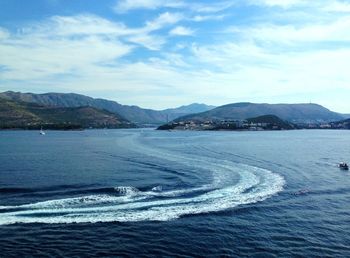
{"points": [[42, 131], [343, 166]]}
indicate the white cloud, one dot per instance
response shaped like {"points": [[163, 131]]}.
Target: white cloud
{"points": [[83, 25], [61, 45], [248, 69], [78, 25], [143, 35], [200, 18], [337, 6], [215, 7], [123, 6], [127, 5], [71, 44], [83, 50], [181, 31], [336, 30], [32, 58], [75, 29], [151, 42], [278, 3], [163, 20], [3, 33]]}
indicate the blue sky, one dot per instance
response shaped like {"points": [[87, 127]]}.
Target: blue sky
{"points": [[165, 53]]}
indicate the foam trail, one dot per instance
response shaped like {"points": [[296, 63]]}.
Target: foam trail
{"points": [[130, 204]]}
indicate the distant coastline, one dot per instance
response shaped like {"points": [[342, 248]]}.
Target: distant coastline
{"points": [[262, 123], [61, 111]]}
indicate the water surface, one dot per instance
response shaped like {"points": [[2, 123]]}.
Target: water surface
{"points": [[147, 192]]}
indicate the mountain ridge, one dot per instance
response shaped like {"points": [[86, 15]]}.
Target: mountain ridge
{"points": [[295, 113], [132, 113], [25, 115]]}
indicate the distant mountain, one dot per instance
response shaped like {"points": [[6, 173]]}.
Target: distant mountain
{"points": [[346, 116], [192, 108], [295, 113], [17, 114], [134, 114]]}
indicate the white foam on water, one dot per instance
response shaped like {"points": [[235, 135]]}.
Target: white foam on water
{"points": [[127, 190], [157, 188], [223, 192]]}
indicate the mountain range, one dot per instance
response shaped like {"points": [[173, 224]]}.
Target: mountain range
{"points": [[71, 108], [295, 113], [25, 115], [135, 114]]}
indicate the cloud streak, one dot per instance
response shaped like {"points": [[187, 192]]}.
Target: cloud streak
{"points": [[123, 6], [181, 31], [128, 5]]}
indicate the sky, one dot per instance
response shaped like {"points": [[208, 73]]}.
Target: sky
{"points": [[166, 53]]}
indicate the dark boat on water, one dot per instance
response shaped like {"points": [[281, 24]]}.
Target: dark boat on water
{"points": [[343, 166]]}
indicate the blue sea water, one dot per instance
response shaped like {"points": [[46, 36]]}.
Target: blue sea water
{"points": [[159, 193]]}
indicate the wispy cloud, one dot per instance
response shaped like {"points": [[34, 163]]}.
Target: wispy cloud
{"points": [[324, 31], [278, 3], [181, 31], [3, 33], [123, 6], [337, 6], [143, 36], [76, 47], [215, 7], [151, 42], [127, 5], [200, 18], [76, 25], [162, 20], [30, 57]]}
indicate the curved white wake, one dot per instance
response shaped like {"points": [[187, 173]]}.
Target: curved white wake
{"points": [[130, 204]]}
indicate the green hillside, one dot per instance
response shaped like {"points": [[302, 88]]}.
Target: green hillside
{"points": [[295, 113], [16, 114], [271, 121], [134, 114]]}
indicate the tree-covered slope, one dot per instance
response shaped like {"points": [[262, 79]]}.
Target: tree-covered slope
{"points": [[134, 114], [17, 114], [296, 113]]}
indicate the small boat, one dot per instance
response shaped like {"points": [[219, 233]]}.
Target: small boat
{"points": [[42, 131], [343, 166], [302, 192]]}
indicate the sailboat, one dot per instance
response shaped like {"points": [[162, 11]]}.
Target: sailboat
{"points": [[42, 131]]}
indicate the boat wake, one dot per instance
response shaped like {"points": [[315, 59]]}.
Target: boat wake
{"points": [[231, 184]]}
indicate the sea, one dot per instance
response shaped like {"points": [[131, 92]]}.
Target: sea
{"points": [[149, 193]]}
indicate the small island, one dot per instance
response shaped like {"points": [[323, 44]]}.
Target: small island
{"points": [[261, 123]]}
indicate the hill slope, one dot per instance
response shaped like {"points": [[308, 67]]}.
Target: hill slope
{"points": [[343, 124], [134, 114], [296, 113], [16, 114], [272, 121]]}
